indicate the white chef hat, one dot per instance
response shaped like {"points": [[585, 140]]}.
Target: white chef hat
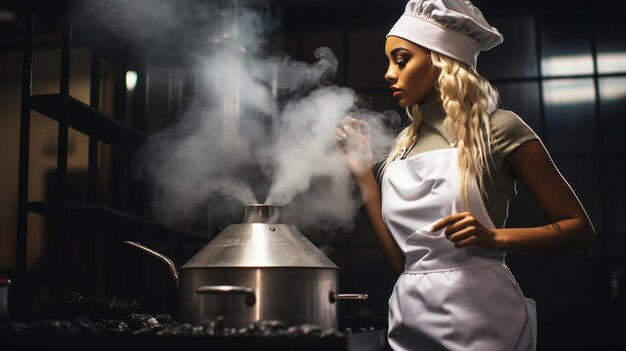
{"points": [[455, 28]]}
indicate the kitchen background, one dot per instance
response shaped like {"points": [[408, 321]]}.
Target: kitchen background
{"points": [[562, 68]]}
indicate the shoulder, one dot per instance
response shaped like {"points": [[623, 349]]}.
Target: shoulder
{"points": [[505, 121], [509, 131]]}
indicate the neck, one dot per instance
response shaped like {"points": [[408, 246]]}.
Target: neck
{"points": [[430, 112]]}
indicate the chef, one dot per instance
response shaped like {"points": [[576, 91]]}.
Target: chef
{"points": [[439, 214]]}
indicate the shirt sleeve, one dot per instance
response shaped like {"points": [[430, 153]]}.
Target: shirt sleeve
{"points": [[509, 132]]}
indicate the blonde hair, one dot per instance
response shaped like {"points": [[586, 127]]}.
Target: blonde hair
{"points": [[468, 100]]}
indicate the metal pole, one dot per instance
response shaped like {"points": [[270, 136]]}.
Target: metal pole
{"points": [[92, 163], [22, 197], [64, 91], [94, 102]]}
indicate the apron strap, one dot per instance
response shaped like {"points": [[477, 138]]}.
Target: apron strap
{"points": [[404, 151]]}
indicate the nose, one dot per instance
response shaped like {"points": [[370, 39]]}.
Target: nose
{"points": [[391, 75]]}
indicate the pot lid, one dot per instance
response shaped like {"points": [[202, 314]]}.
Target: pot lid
{"points": [[260, 242]]}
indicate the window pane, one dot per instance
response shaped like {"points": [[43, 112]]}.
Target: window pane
{"points": [[615, 188], [611, 46], [565, 45], [570, 124], [516, 56], [613, 110], [523, 99], [583, 175]]}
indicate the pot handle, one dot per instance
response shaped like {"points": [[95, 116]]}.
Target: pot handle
{"points": [[230, 290], [163, 258], [334, 297]]}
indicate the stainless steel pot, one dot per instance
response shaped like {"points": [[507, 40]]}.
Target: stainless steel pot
{"points": [[258, 270]]}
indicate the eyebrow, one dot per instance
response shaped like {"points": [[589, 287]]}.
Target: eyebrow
{"points": [[396, 50]]}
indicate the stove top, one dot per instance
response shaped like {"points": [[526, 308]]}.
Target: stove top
{"points": [[161, 332]]}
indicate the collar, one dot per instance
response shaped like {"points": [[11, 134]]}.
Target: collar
{"points": [[433, 115], [431, 112]]}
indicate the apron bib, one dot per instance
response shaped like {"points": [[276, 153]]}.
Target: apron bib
{"points": [[448, 298]]}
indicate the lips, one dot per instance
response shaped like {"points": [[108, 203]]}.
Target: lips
{"points": [[396, 91]]}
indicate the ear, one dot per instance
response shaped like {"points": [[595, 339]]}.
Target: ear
{"points": [[436, 70]]}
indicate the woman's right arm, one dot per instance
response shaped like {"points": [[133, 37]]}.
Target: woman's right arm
{"points": [[352, 141], [373, 199]]}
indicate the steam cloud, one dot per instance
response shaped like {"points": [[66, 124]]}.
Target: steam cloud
{"points": [[262, 127]]}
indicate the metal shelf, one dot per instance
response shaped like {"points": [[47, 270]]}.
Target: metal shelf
{"points": [[104, 217], [89, 121]]}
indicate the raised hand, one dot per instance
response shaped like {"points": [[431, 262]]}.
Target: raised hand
{"points": [[352, 140]]}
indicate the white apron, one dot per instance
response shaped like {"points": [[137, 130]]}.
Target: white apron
{"points": [[448, 298]]}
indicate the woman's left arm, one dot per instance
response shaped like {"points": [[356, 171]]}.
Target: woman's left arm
{"points": [[569, 226]]}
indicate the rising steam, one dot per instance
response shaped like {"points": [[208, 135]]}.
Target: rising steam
{"points": [[262, 126]]}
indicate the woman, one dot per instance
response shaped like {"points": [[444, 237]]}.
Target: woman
{"points": [[446, 185]]}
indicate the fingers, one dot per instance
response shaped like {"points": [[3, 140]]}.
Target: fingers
{"points": [[460, 228], [350, 121], [340, 134], [361, 126], [340, 139], [465, 242], [465, 222], [446, 221], [464, 229], [345, 135], [349, 130], [347, 120], [356, 124], [440, 224], [349, 134], [462, 234], [345, 129]]}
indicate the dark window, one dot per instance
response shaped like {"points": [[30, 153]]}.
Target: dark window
{"points": [[570, 118], [615, 189], [611, 46], [613, 109], [565, 45], [523, 99], [517, 55]]}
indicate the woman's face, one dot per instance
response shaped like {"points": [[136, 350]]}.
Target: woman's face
{"points": [[411, 72]]}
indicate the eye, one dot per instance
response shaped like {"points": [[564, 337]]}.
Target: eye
{"points": [[401, 60]]}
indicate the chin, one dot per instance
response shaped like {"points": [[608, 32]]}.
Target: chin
{"points": [[404, 103]]}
